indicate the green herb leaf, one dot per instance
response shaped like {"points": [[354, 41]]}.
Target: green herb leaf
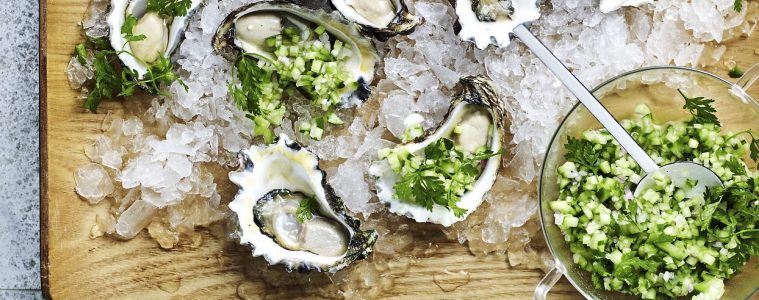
{"points": [[169, 8], [754, 147], [736, 166], [128, 27], [702, 110], [442, 178], [735, 72], [81, 54], [738, 5], [581, 152], [307, 209]]}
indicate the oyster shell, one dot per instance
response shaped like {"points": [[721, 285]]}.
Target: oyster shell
{"points": [[162, 35], [274, 180], [477, 106], [383, 18], [246, 30], [486, 22]]}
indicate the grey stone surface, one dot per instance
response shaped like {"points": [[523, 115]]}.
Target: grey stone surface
{"points": [[19, 155], [20, 294]]}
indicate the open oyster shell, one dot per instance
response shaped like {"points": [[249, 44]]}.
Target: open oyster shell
{"points": [[486, 22], [163, 35], [383, 18], [259, 21], [467, 109], [273, 181]]}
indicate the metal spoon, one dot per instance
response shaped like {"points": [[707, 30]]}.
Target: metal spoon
{"points": [[678, 172]]}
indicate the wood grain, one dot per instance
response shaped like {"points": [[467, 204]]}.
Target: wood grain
{"points": [[77, 267]]}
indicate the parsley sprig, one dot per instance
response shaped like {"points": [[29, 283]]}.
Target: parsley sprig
{"points": [[702, 110], [169, 8], [111, 79], [738, 5], [307, 209], [753, 145], [581, 152], [444, 175]]}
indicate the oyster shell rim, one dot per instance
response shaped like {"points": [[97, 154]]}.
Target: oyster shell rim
{"points": [[360, 242], [477, 90]]}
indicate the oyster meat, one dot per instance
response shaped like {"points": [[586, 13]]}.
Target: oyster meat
{"points": [[383, 18], [289, 214], [486, 22], [473, 125], [246, 32], [161, 34]]}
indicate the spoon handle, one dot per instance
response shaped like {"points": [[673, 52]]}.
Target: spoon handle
{"points": [[591, 103]]}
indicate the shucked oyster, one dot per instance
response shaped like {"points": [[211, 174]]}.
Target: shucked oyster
{"points": [[289, 214], [384, 18], [444, 178], [162, 34], [248, 29], [486, 22], [280, 47]]}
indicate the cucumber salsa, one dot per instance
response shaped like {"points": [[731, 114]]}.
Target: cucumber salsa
{"points": [[669, 241]]}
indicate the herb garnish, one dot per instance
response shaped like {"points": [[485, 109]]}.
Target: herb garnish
{"points": [[581, 152], [169, 8], [735, 72], [301, 64], [308, 207], [444, 174], [702, 110], [738, 5], [112, 80], [258, 94]]}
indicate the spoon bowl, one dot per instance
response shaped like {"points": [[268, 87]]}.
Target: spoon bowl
{"points": [[680, 173]]}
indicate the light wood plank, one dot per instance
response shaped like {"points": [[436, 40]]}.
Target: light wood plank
{"points": [[81, 268]]}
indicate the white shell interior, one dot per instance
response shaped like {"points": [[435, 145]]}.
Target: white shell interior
{"points": [[116, 20], [497, 33], [612, 5], [280, 167], [373, 13], [386, 178]]}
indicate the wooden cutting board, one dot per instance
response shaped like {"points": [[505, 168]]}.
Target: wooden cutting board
{"points": [[77, 267]]}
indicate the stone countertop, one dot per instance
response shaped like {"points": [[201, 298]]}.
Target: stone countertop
{"points": [[19, 155]]}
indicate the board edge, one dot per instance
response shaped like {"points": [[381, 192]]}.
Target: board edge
{"points": [[44, 261]]}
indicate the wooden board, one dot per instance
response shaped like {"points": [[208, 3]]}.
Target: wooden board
{"points": [[77, 267]]}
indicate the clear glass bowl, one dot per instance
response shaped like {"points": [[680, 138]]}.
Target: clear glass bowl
{"points": [[656, 87]]}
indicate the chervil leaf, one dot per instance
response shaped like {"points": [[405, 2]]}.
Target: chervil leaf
{"points": [[169, 8], [81, 54], [306, 210], [128, 27], [433, 182], [702, 110], [738, 5], [581, 152], [754, 148], [736, 166]]}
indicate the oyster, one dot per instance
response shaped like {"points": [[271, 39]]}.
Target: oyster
{"points": [[247, 30], [289, 214], [486, 22], [383, 18], [473, 126], [162, 34]]}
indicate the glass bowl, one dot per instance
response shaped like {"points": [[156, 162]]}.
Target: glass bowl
{"points": [[657, 87]]}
